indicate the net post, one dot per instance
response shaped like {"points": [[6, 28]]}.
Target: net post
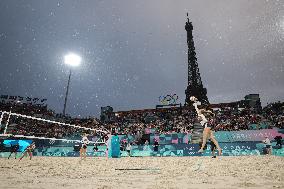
{"points": [[1, 118], [7, 123]]}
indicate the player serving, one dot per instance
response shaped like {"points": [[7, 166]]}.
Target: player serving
{"points": [[206, 117]]}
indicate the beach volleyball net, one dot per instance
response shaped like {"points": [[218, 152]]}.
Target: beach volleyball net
{"points": [[29, 127]]}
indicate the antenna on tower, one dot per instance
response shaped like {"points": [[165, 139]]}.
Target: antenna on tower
{"points": [[187, 17]]}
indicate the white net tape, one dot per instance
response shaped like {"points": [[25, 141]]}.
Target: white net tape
{"points": [[48, 121]]}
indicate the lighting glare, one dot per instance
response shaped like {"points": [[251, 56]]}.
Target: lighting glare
{"points": [[72, 60]]}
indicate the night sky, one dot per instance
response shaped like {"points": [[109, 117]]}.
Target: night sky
{"points": [[134, 51]]}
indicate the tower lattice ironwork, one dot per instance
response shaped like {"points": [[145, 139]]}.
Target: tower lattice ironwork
{"points": [[195, 86]]}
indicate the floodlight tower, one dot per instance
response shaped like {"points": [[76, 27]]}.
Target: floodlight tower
{"points": [[72, 60]]}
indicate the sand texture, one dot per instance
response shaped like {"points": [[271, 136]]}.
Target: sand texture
{"points": [[259, 172]]}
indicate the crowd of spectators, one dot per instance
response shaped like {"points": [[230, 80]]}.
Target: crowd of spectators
{"points": [[137, 123], [25, 108]]}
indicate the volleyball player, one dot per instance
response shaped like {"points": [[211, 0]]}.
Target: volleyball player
{"points": [[14, 149], [29, 150], [206, 117], [267, 146], [83, 149]]}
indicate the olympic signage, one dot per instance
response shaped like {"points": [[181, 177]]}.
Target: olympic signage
{"points": [[168, 99]]}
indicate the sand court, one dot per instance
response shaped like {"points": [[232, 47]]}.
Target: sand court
{"points": [[147, 172]]}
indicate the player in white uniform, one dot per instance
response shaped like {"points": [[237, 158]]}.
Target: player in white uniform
{"points": [[268, 146], [207, 133], [83, 150]]}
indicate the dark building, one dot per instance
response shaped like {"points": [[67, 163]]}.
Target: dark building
{"points": [[252, 101], [107, 114], [195, 86]]}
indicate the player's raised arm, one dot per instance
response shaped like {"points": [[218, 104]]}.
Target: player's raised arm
{"points": [[195, 104]]}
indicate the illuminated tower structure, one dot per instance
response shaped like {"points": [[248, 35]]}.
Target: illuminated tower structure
{"points": [[195, 86]]}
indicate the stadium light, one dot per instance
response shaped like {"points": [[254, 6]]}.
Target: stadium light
{"points": [[73, 60]]}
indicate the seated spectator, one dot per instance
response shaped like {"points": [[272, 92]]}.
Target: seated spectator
{"points": [[278, 141]]}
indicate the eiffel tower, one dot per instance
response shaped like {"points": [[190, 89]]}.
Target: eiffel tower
{"points": [[195, 86]]}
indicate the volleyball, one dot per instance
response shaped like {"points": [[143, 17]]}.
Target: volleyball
{"points": [[192, 98]]}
